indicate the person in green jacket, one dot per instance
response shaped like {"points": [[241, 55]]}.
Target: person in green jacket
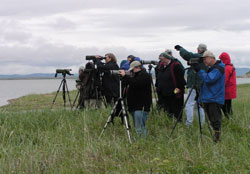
{"points": [[193, 82]]}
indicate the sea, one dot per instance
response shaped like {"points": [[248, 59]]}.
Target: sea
{"points": [[11, 89]]}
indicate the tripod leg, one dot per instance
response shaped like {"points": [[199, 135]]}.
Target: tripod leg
{"points": [[56, 94], [179, 116], [199, 115], [68, 93], [109, 118], [125, 116], [76, 98]]}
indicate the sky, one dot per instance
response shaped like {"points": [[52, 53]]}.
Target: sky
{"points": [[42, 36]]}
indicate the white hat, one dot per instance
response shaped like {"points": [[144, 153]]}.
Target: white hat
{"points": [[134, 64], [208, 54]]}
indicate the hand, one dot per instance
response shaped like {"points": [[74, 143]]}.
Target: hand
{"points": [[122, 72], [177, 90], [197, 67], [177, 47], [97, 56]]}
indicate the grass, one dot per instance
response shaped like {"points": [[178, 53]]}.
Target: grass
{"points": [[36, 139]]}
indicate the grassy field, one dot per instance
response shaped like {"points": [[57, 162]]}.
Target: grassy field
{"points": [[35, 139]]}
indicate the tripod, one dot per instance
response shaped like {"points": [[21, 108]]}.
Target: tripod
{"points": [[81, 96], [195, 87], [150, 66], [124, 112], [89, 89], [63, 84]]}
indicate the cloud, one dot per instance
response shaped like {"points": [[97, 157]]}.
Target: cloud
{"points": [[44, 35]]}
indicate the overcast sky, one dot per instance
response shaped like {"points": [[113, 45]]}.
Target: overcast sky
{"points": [[40, 36]]}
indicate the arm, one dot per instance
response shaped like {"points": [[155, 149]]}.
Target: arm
{"points": [[210, 77], [138, 82], [186, 55]]}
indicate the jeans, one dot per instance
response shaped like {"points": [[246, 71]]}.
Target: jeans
{"points": [[191, 106], [140, 118]]}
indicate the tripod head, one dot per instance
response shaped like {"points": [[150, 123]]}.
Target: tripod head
{"points": [[64, 72]]}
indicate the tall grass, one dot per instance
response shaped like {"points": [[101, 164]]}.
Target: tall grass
{"points": [[35, 139]]}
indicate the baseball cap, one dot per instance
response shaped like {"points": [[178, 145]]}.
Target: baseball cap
{"points": [[134, 64]]}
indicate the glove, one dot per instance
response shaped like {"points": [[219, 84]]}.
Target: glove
{"points": [[197, 67], [177, 47]]}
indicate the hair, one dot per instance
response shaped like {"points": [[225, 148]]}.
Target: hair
{"points": [[112, 57]]}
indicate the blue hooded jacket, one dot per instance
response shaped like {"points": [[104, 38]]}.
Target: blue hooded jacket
{"points": [[213, 87]]}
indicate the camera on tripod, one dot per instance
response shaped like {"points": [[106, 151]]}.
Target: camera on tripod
{"points": [[63, 72], [117, 72], [154, 62], [91, 57], [194, 61]]}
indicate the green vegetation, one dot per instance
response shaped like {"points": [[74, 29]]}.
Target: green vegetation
{"points": [[35, 139]]}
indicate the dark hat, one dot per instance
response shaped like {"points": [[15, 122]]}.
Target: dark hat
{"points": [[166, 55], [131, 56]]}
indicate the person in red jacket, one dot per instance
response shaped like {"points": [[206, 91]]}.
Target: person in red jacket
{"points": [[230, 84]]}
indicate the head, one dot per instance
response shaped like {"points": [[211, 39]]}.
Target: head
{"points": [[110, 57], [225, 58], [165, 58], [130, 58], [208, 58], [135, 66], [201, 48], [168, 51], [81, 69]]}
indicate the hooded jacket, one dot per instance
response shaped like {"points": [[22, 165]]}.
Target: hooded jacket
{"points": [[230, 77], [213, 88]]}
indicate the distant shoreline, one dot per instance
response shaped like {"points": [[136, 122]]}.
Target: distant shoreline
{"points": [[37, 78]]}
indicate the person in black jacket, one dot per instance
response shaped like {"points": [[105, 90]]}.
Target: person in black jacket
{"points": [[139, 96], [110, 83], [171, 85]]}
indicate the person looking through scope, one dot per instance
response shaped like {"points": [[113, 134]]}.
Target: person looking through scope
{"points": [[194, 83], [139, 96], [170, 85], [212, 91], [89, 87], [110, 82]]}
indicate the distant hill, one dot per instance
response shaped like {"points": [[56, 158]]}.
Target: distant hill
{"points": [[242, 71], [34, 76]]}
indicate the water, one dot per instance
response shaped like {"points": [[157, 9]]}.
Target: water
{"points": [[10, 89]]}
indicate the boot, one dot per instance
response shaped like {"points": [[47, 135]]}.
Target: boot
{"points": [[216, 136]]}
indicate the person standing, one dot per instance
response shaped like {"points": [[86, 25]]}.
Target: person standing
{"points": [[139, 96], [193, 83], [212, 90], [230, 84], [171, 85], [110, 83]]}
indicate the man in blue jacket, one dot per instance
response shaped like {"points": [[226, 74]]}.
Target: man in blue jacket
{"points": [[212, 90]]}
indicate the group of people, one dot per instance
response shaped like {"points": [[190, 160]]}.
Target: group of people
{"points": [[211, 86]]}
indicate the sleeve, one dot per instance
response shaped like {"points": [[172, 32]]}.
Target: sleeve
{"points": [[210, 77], [228, 71], [139, 82], [179, 75], [186, 55]]}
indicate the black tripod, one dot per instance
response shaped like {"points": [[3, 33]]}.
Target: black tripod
{"points": [[64, 85], [90, 86], [195, 87], [82, 94], [124, 112], [150, 66]]}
